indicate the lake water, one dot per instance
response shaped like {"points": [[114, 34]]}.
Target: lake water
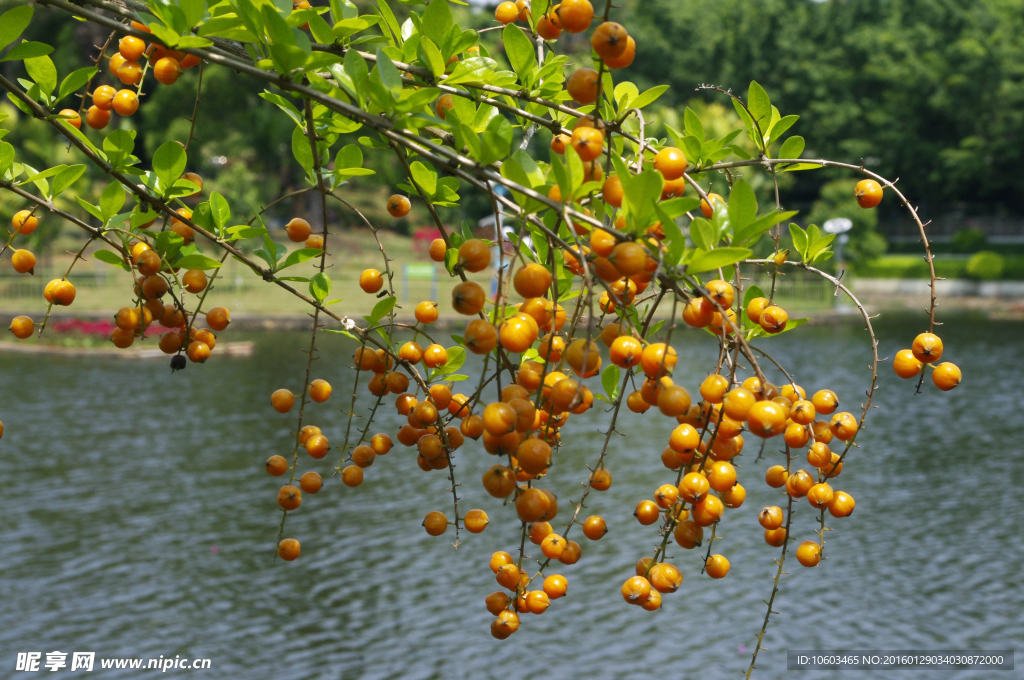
{"points": [[138, 522]]}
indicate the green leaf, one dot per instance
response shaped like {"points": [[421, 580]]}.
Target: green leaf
{"points": [[692, 124], [169, 162], [780, 127], [390, 20], [27, 50], [703, 234], [456, 358], [816, 243], [355, 67], [119, 145], [704, 261], [111, 258], [750, 234], [13, 22], [751, 293], [347, 27], [388, 73], [43, 72], [33, 176], [167, 35], [496, 141], [112, 200], [6, 157], [648, 97], [760, 106], [742, 205], [382, 309], [320, 286], [437, 19], [301, 150], [66, 178], [792, 147], [521, 52], [193, 10], [425, 177], [799, 237], [673, 235], [431, 56], [91, 209], [610, 380], [691, 148], [276, 27], [75, 80], [245, 231], [642, 193], [674, 207], [197, 261], [285, 106], [219, 210], [320, 29], [299, 256]]}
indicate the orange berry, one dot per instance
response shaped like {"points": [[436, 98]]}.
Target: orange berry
{"points": [[311, 482], [773, 319], [698, 313], [776, 476], [298, 230], [129, 73], [474, 255], [671, 163], [24, 262], [480, 336], [594, 527], [131, 48], [289, 497], [868, 193], [574, 15], [167, 70], [609, 40], [665, 578], [352, 475], [624, 59], [444, 103], [194, 281], [906, 364], [399, 206], [317, 446], [716, 566], [319, 390], [282, 400], [438, 250], [475, 521], [808, 554], [927, 348], [708, 209], [71, 117], [946, 376], [288, 549], [825, 402], [582, 86], [841, 505], [435, 523], [506, 12], [636, 590], [97, 118], [689, 534]]}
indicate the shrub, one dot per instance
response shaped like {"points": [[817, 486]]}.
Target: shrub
{"points": [[969, 240], [985, 266]]}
